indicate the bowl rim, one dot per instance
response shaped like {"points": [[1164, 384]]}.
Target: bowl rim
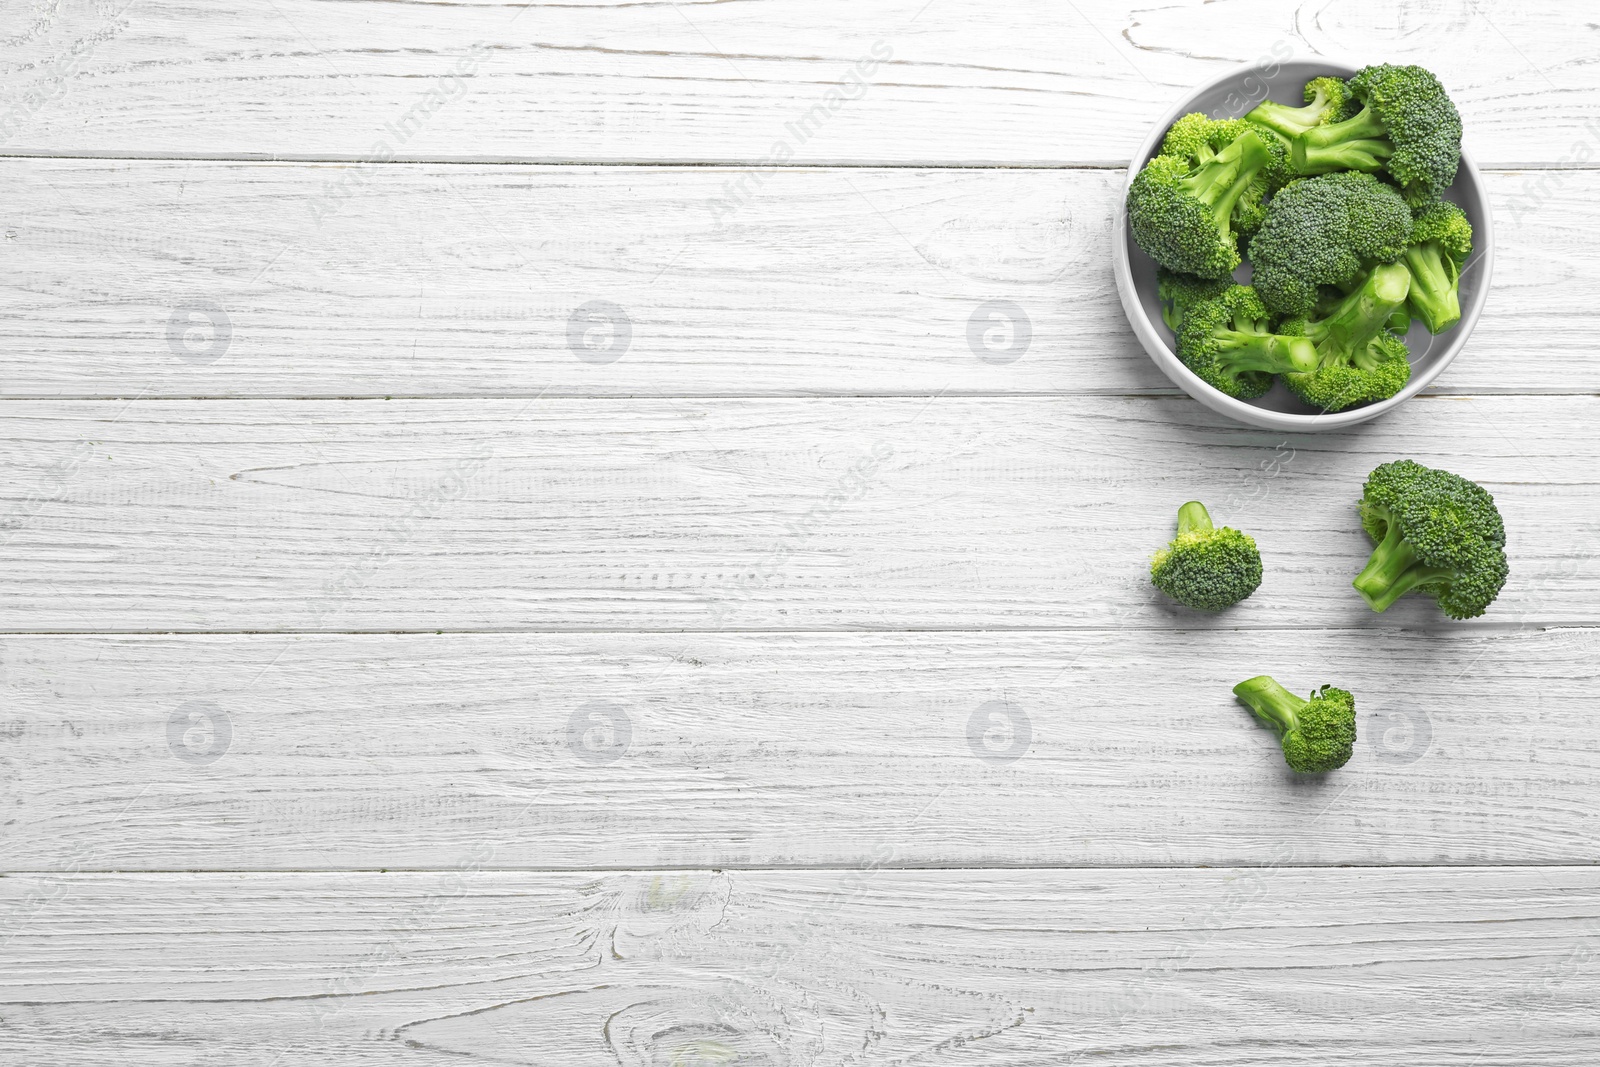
{"points": [[1155, 344]]}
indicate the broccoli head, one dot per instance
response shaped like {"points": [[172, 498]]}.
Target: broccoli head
{"points": [[1198, 138], [1359, 356], [1316, 735], [1441, 241], [1229, 344], [1407, 125], [1181, 211], [1204, 567], [1327, 100], [1179, 292], [1325, 231], [1436, 533]]}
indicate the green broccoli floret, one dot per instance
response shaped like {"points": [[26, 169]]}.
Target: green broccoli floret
{"points": [[1251, 210], [1229, 344], [1204, 567], [1436, 533], [1408, 125], [1360, 358], [1181, 212], [1317, 735], [1441, 241], [1197, 137], [1327, 100], [1179, 292], [1325, 231]]}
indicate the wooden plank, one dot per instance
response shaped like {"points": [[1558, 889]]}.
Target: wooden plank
{"points": [[681, 750], [820, 514], [208, 279], [835, 81], [1432, 968]]}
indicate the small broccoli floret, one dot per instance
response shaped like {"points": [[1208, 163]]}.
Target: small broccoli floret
{"points": [[1441, 241], [1229, 344], [1325, 231], [1408, 125], [1180, 292], [1197, 138], [1436, 533], [1327, 100], [1251, 210], [1359, 357], [1181, 212], [1317, 735], [1204, 567]]}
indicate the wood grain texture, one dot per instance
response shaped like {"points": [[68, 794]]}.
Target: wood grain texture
{"points": [[207, 279], [822, 514], [1095, 748], [961, 81], [1430, 968]]}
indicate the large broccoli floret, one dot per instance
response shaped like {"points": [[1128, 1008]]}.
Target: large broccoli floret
{"points": [[1181, 212], [1179, 292], [1229, 344], [1359, 356], [1441, 241], [1327, 100], [1317, 735], [1204, 567], [1408, 126], [1325, 231], [1436, 533], [1197, 138]]}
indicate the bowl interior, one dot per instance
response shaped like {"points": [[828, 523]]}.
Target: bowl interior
{"points": [[1232, 97]]}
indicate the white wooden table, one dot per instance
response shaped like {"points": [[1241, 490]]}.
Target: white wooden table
{"points": [[615, 533]]}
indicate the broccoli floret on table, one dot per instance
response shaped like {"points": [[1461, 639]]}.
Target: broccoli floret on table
{"points": [[1436, 533], [1204, 567], [1227, 341], [1407, 125], [1316, 734]]}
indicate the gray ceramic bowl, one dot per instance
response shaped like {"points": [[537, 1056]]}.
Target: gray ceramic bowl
{"points": [[1230, 96]]}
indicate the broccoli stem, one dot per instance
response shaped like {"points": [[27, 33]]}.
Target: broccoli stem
{"points": [[1290, 121], [1392, 571], [1360, 142], [1341, 337], [1272, 703], [1434, 296], [1194, 518], [1242, 350], [1220, 182]]}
